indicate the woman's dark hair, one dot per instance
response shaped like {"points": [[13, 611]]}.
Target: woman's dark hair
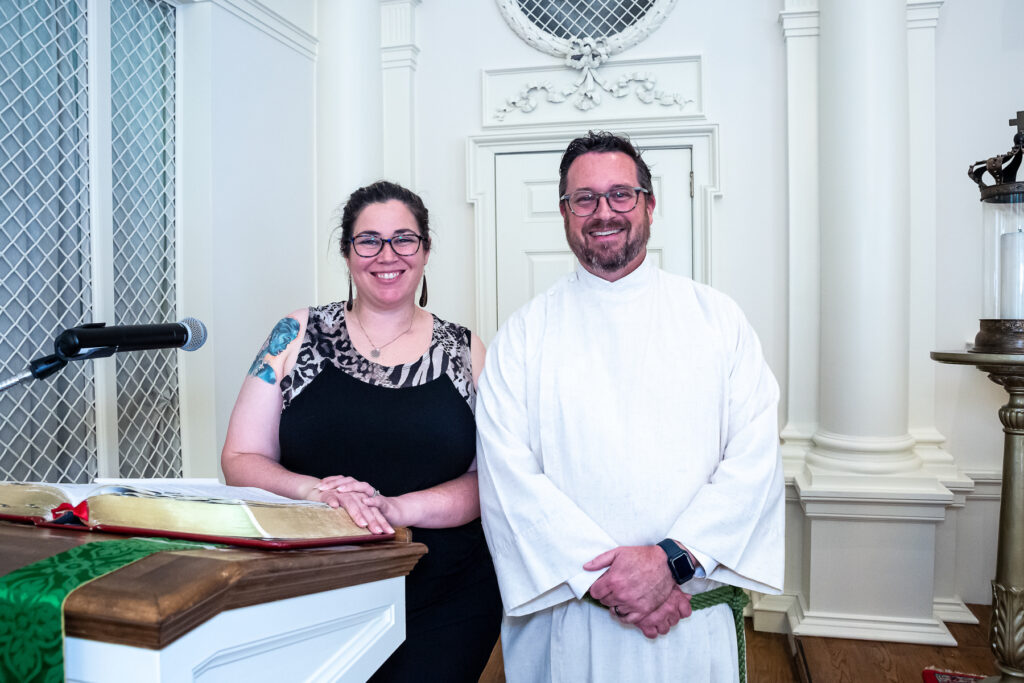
{"points": [[378, 193], [603, 141]]}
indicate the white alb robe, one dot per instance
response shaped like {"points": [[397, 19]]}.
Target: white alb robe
{"points": [[623, 413]]}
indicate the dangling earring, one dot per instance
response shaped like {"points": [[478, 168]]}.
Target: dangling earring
{"points": [[348, 304], [423, 294]]}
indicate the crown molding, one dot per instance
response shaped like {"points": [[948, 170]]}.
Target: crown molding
{"points": [[260, 17]]}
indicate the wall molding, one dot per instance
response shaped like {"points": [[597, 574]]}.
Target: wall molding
{"points": [[260, 17], [799, 23], [988, 484], [923, 13]]}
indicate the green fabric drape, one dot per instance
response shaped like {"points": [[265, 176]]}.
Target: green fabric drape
{"points": [[32, 602]]}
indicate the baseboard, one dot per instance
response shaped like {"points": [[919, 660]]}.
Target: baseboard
{"points": [[953, 611], [771, 613], [866, 627]]}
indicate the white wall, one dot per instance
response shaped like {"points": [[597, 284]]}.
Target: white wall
{"points": [[979, 59], [300, 13], [248, 193]]}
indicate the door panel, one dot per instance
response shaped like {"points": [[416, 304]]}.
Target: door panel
{"points": [[532, 253]]}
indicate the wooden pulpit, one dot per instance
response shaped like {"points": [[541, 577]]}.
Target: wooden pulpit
{"points": [[227, 615]]}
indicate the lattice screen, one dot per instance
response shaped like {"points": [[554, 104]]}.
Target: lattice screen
{"points": [[142, 125], [47, 429], [584, 18]]}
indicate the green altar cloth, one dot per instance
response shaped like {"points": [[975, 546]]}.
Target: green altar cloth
{"points": [[32, 602]]}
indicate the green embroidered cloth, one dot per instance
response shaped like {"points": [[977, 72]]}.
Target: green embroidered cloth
{"points": [[32, 602], [732, 596]]}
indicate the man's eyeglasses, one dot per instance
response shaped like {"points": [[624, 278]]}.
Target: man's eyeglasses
{"points": [[620, 200], [368, 246]]}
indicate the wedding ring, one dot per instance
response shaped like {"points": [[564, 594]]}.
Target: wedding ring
{"points": [[617, 612], [376, 492]]}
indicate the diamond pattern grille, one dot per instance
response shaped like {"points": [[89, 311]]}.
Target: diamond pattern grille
{"points": [[47, 428], [142, 125], [569, 19]]}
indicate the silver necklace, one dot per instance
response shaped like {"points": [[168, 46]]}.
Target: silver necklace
{"points": [[375, 352]]}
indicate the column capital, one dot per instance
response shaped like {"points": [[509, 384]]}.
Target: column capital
{"points": [[923, 13], [799, 23], [398, 23]]}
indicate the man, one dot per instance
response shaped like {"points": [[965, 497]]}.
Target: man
{"points": [[628, 452]]}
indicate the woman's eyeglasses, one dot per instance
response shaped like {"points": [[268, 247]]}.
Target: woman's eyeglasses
{"points": [[405, 244]]}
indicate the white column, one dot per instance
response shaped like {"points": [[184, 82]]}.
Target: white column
{"points": [[399, 52], [864, 235], [871, 508], [349, 127]]}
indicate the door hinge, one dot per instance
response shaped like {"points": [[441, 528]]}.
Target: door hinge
{"points": [[691, 184]]}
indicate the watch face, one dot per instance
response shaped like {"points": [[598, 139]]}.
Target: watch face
{"points": [[678, 561], [682, 568]]}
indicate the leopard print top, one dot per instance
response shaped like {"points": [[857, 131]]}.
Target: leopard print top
{"points": [[327, 342]]}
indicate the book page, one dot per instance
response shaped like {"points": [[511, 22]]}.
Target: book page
{"points": [[209, 490], [74, 493]]}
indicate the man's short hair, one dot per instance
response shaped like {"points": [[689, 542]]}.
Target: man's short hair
{"points": [[603, 141]]}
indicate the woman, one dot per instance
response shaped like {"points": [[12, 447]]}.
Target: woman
{"points": [[368, 405]]}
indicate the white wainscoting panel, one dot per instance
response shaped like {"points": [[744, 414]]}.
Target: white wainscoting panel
{"points": [[339, 635]]}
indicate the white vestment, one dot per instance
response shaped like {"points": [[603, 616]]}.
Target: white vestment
{"points": [[623, 413]]}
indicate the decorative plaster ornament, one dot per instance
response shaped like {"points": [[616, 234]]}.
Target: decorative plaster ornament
{"points": [[585, 33]]}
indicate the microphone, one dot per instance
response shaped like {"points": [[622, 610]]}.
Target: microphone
{"points": [[188, 335]]}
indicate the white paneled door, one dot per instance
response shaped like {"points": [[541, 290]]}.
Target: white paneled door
{"points": [[531, 249]]}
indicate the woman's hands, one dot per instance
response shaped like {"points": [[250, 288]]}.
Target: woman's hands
{"points": [[399, 510], [354, 496], [449, 504]]}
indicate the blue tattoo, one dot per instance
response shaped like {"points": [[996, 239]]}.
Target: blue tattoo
{"points": [[284, 333]]}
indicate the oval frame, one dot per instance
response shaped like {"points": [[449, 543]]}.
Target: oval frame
{"points": [[563, 47]]}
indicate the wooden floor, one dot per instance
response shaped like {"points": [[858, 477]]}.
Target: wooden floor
{"points": [[771, 658], [837, 660]]}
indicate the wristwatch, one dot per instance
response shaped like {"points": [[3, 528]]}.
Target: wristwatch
{"points": [[679, 562]]}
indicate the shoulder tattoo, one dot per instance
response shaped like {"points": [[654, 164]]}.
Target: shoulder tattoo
{"points": [[281, 336]]}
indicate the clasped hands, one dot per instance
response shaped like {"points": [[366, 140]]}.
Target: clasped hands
{"points": [[364, 504], [638, 589]]}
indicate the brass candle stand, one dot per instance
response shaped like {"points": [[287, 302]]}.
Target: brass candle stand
{"points": [[1006, 630]]}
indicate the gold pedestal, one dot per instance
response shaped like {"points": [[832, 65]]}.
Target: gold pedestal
{"points": [[1006, 631]]}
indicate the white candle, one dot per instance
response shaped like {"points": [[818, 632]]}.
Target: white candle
{"points": [[1011, 275]]}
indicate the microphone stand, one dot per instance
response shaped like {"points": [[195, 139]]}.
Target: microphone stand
{"points": [[41, 368]]}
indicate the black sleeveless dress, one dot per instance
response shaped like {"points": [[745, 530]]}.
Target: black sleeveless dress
{"points": [[401, 429]]}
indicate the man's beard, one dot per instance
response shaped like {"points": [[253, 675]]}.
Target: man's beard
{"points": [[606, 260]]}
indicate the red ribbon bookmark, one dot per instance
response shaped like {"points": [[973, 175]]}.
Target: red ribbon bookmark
{"points": [[81, 510]]}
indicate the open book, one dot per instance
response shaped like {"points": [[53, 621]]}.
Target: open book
{"points": [[205, 511]]}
